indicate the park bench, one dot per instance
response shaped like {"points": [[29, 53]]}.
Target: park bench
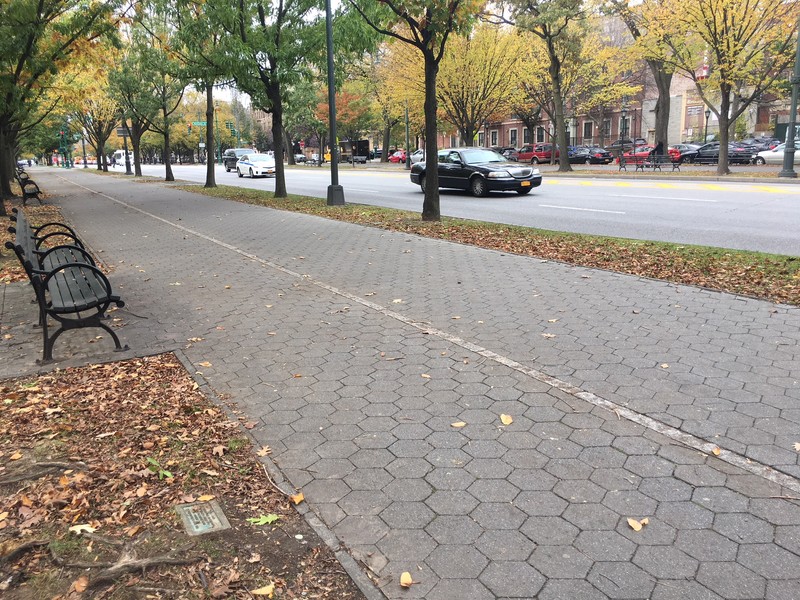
{"points": [[654, 162], [28, 186], [69, 287]]}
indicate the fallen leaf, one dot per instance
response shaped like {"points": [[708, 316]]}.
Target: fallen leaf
{"points": [[218, 450], [205, 498], [267, 590], [263, 519], [16, 456], [297, 498], [552, 320], [3, 515], [664, 366], [716, 451], [405, 580], [195, 339], [227, 287], [797, 446], [506, 419], [637, 525], [456, 317], [205, 363], [85, 527], [458, 424], [548, 335], [80, 584], [397, 300], [425, 376], [264, 451], [249, 424], [254, 558]]}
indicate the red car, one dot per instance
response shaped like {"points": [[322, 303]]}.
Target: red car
{"points": [[643, 152], [398, 157], [537, 153]]}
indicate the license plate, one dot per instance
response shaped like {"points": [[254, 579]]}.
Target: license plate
{"points": [[525, 183]]}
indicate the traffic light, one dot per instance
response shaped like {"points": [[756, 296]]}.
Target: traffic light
{"points": [[190, 128]]}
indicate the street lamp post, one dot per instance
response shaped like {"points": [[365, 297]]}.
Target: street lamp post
{"points": [[83, 147], [408, 142], [217, 134], [705, 135], [335, 191], [624, 133], [789, 149]]}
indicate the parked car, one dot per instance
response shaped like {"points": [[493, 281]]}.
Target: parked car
{"points": [[300, 158], [774, 156], [417, 156], [686, 152], [231, 157], [479, 170], [398, 157], [256, 165], [509, 152], [622, 145], [536, 153], [709, 154], [590, 155]]}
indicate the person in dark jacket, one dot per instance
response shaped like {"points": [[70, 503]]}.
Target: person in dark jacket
{"points": [[658, 150]]}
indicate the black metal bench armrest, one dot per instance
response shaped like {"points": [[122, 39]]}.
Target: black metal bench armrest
{"points": [[62, 234], [37, 231]]}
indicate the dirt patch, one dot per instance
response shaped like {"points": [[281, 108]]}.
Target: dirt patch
{"points": [[94, 461]]}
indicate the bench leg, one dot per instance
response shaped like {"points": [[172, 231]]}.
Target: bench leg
{"points": [[67, 324]]}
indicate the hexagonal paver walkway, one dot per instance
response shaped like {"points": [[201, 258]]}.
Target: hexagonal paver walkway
{"points": [[357, 350]]}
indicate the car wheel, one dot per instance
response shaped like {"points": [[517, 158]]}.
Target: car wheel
{"points": [[251, 173], [534, 161], [227, 169], [478, 187], [523, 191], [588, 161], [238, 172], [422, 183], [759, 160]]}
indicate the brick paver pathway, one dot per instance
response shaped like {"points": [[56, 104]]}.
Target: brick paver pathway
{"points": [[357, 349]]}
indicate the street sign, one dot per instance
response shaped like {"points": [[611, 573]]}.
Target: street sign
{"points": [[202, 144], [122, 132], [200, 123]]}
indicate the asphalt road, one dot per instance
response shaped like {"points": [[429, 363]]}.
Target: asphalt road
{"points": [[761, 216]]}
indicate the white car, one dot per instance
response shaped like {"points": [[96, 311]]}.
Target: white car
{"points": [[256, 165], [417, 156], [775, 156]]}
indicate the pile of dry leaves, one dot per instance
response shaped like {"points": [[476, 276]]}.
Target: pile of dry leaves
{"points": [[93, 462]]}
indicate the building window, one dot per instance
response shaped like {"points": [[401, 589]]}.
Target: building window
{"points": [[512, 137], [481, 139], [526, 136], [493, 136], [539, 135], [588, 130], [606, 128]]}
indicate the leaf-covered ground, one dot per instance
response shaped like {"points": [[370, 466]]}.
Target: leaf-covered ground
{"points": [[93, 462], [767, 276]]}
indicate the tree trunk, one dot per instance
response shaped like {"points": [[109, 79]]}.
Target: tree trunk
{"points": [[430, 205], [724, 136], [289, 148], [6, 172], [554, 69], [167, 150], [663, 82], [274, 96], [387, 134], [211, 181]]}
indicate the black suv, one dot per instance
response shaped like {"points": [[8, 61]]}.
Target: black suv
{"points": [[231, 157]]}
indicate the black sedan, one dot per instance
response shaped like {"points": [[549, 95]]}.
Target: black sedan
{"points": [[688, 152], [709, 154], [590, 156], [479, 170]]}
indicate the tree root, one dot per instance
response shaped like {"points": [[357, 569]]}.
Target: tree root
{"points": [[18, 551], [44, 468]]}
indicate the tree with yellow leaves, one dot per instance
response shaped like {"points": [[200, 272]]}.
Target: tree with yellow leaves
{"points": [[746, 47], [478, 78]]}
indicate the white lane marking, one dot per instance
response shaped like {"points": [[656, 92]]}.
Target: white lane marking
{"points": [[661, 197], [613, 212], [676, 435]]}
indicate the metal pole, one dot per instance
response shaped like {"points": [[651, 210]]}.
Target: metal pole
{"points": [[789, 149], [335, 191], [408, 142], [126, 131], [83, 148]]}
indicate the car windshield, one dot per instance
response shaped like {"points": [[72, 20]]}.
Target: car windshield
{"points": [[261, 158], [474, 156]]}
